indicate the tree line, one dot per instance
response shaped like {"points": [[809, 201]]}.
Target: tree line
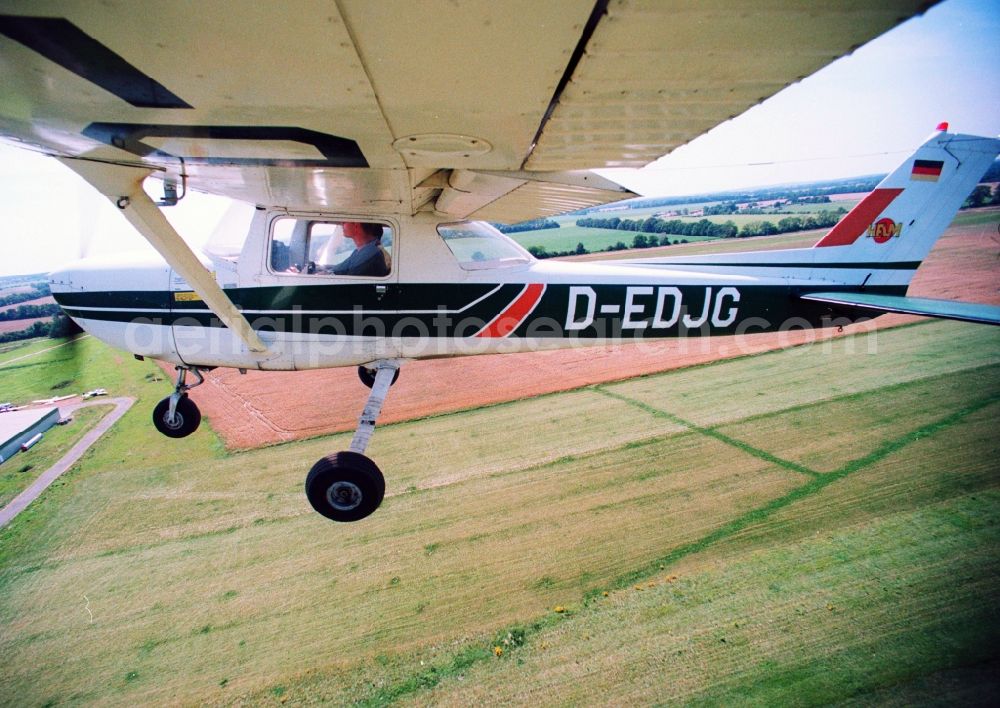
{"points": [[37, 290], [640, 241], [27, 312], [60, 326], [705, 228], [533, 225]]}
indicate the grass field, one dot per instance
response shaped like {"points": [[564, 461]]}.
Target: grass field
{"points": [[23, 469], [569, 234], [44, 368], [647, 212], [801, 239], [566, 238], [807, 526]]}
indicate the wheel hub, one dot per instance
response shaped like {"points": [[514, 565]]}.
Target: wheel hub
{"points": [[344, 496]]}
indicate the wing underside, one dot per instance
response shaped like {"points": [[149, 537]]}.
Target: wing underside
{"points": [[928, 307], [383, 107]]}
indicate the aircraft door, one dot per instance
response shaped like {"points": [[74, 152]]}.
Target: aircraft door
{"points": [[333, 288]]}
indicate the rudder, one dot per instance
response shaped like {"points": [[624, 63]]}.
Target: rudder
{"points": [[902, 218]]}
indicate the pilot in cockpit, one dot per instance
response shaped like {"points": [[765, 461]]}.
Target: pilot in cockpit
{"points": [[369, 258], [321, 245]]}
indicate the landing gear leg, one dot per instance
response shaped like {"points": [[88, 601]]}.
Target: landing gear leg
{"points": [[177, 416], [348, 486]]}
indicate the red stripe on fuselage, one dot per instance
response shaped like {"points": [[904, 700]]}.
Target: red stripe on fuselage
{"points": [[508, 320], [860, 218]]}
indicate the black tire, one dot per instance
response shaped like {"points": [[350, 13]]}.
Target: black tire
{"points": [[187, 418], [345, 486], [367, 376]]}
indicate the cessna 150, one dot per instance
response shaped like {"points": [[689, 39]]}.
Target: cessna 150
{"points": [[364, 145]]}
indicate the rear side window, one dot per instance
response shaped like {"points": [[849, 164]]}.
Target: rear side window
{"points": [[478, 246]]}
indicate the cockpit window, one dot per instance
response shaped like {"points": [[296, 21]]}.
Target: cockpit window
{"points": [[315, 247], [478, 246]]}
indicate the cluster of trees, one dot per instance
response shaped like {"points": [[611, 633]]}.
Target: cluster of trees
{"points": [[731, 207], [655, 225], [533, 225], [982, 196], [60, 326], [810, 200], [704, 227], [27, 312], [540, 252]]}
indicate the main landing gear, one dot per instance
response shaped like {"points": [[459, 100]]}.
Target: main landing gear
{"points": [[176, 416], [347, 486]]}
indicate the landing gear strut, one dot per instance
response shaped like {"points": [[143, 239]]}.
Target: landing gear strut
{"points": [[347, 486], [176, 416]]}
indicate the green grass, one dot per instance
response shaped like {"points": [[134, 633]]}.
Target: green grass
{"points": [[130, 443], [830, 513], [25, 347], [975, 217], [22, 469]]}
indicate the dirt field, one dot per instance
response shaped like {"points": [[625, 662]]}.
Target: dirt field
{"points": [[17, 325], [47, 300], [263, 408]]}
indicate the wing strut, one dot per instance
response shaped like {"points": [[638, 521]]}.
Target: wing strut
{"points": [[122, 184]]}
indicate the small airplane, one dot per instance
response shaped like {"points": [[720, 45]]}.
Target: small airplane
{"points": [[372, 250]]}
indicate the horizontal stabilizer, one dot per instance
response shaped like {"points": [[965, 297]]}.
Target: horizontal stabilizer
{"points": [[946, 309]]}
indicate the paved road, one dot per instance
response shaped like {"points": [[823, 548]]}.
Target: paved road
{"points": [[21, 501]]}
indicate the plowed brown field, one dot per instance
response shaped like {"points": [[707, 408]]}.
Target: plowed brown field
{"points": [[18, 325], [262, 408]]}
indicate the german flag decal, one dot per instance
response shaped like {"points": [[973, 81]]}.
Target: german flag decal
{"points": [[926, 170]]}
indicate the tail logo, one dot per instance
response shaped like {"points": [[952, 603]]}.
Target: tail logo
{"points": [[884, 229]]}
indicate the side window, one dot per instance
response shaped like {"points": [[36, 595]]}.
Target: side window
{"points": [[313, 247]]}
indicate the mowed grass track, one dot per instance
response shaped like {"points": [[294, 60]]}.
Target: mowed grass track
{"points": [[811, 525]]}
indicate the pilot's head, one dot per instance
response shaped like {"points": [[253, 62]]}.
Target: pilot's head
{"points": [[362, 232]]}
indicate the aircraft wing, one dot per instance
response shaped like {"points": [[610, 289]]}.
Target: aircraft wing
{"points": [[879, 304], [472, 108]]}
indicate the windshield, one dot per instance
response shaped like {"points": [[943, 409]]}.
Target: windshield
{"points": [[478, 246]]}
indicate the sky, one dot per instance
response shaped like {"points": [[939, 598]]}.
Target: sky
{"points": [[860, 115]]}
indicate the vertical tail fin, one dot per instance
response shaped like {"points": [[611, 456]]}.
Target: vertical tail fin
{"points": [[903, 217]]}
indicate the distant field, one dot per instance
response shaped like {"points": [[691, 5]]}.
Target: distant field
{"points": [[567, 237], [47, 300], [972, 217], [569, 234], [15, 289], [818, 524], [800, 239], [17, 325]]}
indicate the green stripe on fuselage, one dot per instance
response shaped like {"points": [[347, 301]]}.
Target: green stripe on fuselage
{"points": [[459, 310]]}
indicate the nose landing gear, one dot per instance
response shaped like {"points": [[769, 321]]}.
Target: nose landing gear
{"points": [[348, 486], [177, 416]]}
